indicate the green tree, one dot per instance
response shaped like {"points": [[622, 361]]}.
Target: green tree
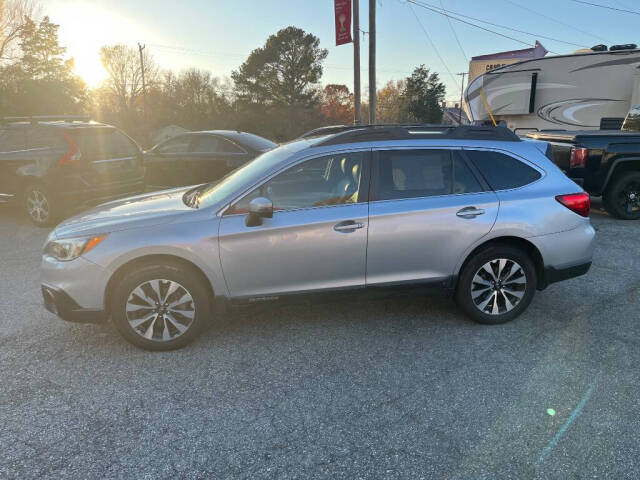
{"points": [[423, 94], [42, 82], [284, 71]]}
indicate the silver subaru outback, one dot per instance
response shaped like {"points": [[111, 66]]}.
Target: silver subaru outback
{"points": [[473, 210]]}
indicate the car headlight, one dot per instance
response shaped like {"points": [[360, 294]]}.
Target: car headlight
{"points": [[68, 249]]}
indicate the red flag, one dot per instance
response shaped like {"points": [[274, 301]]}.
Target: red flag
{"points": [[343, 21]]}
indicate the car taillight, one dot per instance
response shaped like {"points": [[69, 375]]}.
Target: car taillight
{"points": [[73, 155], [578, 158], [579, 203]]}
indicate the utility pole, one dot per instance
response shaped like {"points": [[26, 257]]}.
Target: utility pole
{"points": [[356, 61], [462, 74], [372, 61], [144, 85]]}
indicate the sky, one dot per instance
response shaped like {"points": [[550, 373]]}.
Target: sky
{"points": [[218, 35]]}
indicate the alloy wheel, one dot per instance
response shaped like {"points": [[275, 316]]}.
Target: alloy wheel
{"points": [[160, 310], [629, 198], [498, 286], [38, 206]]}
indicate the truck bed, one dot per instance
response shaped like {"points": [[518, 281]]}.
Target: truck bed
{"points": [[573, 136]]}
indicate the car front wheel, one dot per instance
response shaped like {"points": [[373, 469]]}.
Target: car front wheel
{"points": [[160, 307], [496, 285]]}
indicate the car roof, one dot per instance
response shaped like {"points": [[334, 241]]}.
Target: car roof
{"points": [[61, 124]]}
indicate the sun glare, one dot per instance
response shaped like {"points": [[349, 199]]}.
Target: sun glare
{"points": [[84, 28]]}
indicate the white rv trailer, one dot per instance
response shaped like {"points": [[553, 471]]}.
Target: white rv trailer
{"points": [[582, 91]]}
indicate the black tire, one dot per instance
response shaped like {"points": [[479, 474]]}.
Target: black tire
{"points": [[40, 205], [622, 198], [512, 283], [168, 275]]}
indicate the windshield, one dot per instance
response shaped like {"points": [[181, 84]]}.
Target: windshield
{"points": [[214, 192]]}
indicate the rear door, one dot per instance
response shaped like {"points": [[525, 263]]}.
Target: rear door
{"points": [[167, 164], [427, 207], [108, 156]]}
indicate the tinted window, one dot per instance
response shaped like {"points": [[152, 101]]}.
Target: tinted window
{"points": [[13, 140], [175, 145], [225, 146], [256, 143], [414, 173], [331, 180], [46, 138], [464, 181], [502, 171], [206, 144], [100, 144]]}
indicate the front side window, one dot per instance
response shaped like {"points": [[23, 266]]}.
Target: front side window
{"points": [[175, 145], [324, 181], [501, 171]]}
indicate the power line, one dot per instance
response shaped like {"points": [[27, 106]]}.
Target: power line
{"points": [[621, 10], [455, 34], [432, 44], [437, 9], [469, 23], [548, 17]]}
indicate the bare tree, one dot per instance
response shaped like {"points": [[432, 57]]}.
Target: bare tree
{"points": [[13, 17], [122, 63]]}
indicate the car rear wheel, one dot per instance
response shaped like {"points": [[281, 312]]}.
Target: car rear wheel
{"points": [[622, 198], [160, 307], [40, 206], [496, 285]]}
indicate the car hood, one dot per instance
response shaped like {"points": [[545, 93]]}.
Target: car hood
{"points": [[131, 212]]}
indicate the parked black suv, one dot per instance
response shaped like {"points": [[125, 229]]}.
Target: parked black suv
{"points": [[55, 164]]}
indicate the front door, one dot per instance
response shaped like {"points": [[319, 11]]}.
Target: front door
{"points": [[317, 238], [428, 207]]}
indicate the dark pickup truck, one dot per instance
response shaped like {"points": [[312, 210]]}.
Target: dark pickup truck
{"points": [[604, 162]]}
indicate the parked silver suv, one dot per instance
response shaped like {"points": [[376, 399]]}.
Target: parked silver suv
{"points": [[474, 210]]}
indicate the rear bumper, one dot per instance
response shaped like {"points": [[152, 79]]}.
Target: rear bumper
{"points": [[553, 275], [60, 303]]}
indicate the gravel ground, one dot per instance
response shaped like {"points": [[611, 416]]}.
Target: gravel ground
{"points": [[397, 387]]}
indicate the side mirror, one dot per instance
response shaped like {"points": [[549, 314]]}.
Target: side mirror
{"points": [[259, 208]]}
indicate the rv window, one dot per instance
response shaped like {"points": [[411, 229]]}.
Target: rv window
{"points": [[632, 122], [502, 172]]}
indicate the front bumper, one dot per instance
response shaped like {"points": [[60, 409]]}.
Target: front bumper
{"points": [[61, 304], [74, 290]]}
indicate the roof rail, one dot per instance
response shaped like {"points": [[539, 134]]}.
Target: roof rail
{"points": [[34, 119], [365, 133]]}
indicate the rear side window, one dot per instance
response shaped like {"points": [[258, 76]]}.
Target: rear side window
{"points": [[414, 173], [501, 171], [12, 140], [175, 145], [102, 144], [46, 138]]}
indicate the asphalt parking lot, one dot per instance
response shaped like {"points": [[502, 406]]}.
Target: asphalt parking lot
{"points": [[397, 387]]}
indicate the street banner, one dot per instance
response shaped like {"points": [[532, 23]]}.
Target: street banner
{"points": [[343, 21]]}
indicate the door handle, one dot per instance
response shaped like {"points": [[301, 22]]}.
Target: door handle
{"points": [[347, 226], [470, 212]]}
